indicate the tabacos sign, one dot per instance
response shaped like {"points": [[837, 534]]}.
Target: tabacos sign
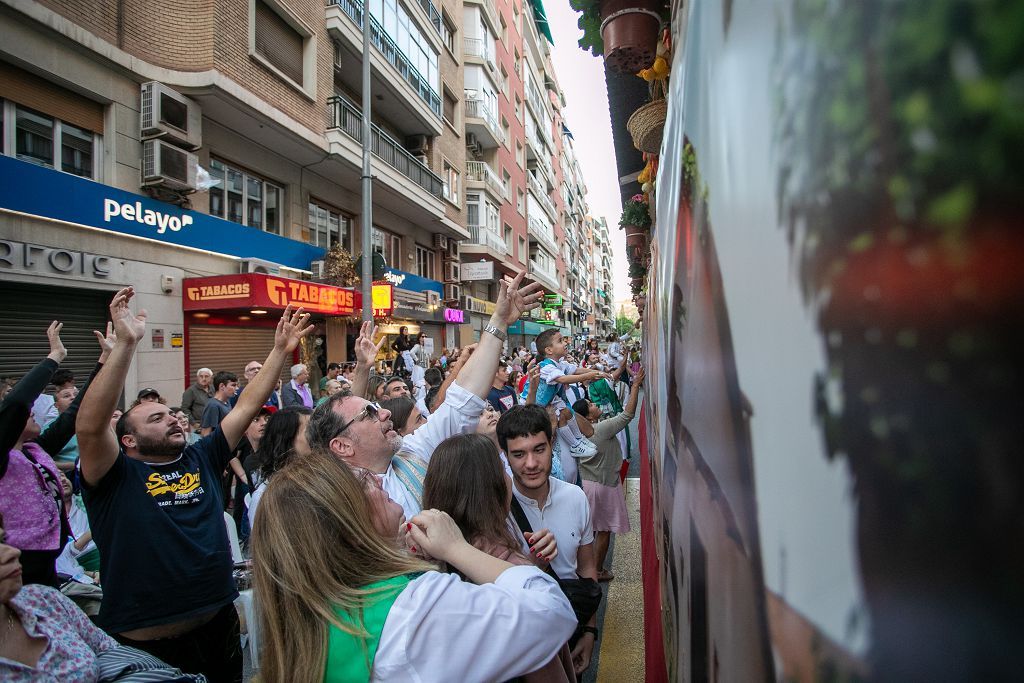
{"points": [[133, 211], [257, 290]]}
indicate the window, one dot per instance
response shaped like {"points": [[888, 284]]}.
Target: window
{"points": [[46, 141], [281, 42], [450, 104], [520, 155], [402, 29], [505, 129], [508, 238], [506, 183], [522, 250], [243, 198], [450, 190], [473, 209], [520, 201], [388, 244], [504, 30], [519, 108], [424, 262], [328, 226], [448, 32]]}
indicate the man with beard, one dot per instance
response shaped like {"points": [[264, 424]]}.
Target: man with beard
{"points": [[362, 435], [156, 509]]}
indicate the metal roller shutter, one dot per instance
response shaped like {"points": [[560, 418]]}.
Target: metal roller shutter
{"points": [[27, 310], [229, 348]]}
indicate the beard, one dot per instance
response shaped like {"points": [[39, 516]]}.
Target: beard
{"points": [[160, 448]]}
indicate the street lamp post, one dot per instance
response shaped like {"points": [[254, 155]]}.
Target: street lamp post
{"points": [[367, 177]]}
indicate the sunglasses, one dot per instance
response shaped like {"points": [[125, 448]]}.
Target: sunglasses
{"points": [[370, 412]]}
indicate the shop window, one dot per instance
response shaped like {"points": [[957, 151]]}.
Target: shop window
{"points": [[244, 198], [50, 142], [425, 262], [328, 226]]}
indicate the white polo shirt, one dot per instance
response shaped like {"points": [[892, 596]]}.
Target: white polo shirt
{"points": [[567, 514]]}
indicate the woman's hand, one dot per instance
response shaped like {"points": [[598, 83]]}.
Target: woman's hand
{"points": [[542, 544], [436, 534], [57, 351]]}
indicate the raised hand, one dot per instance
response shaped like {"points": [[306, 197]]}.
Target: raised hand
{"points": [[366, 350], [291, 328], [435, 533], [128, 327], [514, 300], [106, 341], [57, 351]]}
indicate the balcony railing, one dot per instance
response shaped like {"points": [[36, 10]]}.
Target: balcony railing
{"points": [[435, 16], [542, 197], [544, 272], [482, 173], [346, 118], [477, 109], [383, 42], [480, 234], [543, 234]]}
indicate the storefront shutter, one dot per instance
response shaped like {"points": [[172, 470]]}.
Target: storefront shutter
{"points": [[27, 310], [229, 348]]}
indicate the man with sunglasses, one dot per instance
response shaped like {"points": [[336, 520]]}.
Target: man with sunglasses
{"points": [[362, 434]]}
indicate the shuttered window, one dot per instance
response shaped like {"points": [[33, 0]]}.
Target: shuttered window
{"points": [[37, 93], [229, 348], [27, 310], [278, 42]]}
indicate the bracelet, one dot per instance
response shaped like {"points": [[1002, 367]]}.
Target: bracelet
{"points": [[590, 629], [497, 332]]}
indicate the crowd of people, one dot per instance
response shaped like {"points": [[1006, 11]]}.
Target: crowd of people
{"points": [[379, 511]]}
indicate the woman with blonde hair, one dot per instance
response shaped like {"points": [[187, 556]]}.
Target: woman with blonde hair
{"points": [[340, 601]]}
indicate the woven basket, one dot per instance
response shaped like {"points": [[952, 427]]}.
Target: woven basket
{"points": [[647, 125]]}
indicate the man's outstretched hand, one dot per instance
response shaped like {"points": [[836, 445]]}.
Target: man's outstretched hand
{"points": [[514, 299], [128, 326], [291, 328], [366, 350]]}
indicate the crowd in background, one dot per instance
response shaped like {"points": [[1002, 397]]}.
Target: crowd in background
{"points": [[371, 510]]}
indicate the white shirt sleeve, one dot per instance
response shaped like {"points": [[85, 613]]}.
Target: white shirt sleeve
{"points": [[459, 413], [549, 372], [441, 628]]}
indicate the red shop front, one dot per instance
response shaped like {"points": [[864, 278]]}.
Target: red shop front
{"points": [[230, 319]]}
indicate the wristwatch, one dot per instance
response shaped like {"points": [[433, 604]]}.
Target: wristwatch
{"points": [[590, 629], [497, 332]]}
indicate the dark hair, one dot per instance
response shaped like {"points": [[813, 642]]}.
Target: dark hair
{"points": [[593, 342], [545, 339], [611, 336], [525, 420], [400, 408], [276, 446], [433, 377], [372, 384], [581, 407], [223, 377], [465, 478], [62, 376], [333, 366], [432, 397]]}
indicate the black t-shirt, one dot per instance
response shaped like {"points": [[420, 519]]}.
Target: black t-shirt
{"points": [[164, 554], [502, 399]]}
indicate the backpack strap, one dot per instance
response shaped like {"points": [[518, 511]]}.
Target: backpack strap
{"points": [[519, 514]]}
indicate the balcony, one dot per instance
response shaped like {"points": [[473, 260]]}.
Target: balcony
{"points": [[542, 198], [543, 234], [480, 122], [480, 172], [476, 48], [480, 235], [545, 274], [346, 118], [413, 104]]}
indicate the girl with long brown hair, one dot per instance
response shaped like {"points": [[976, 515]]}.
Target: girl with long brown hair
{"points": [[340, 601]]}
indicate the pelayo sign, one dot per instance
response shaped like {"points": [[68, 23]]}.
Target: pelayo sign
{"points": [[39, 191]]}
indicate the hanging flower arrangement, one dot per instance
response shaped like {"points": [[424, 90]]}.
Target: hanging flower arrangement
{"points": [[635, 213]]}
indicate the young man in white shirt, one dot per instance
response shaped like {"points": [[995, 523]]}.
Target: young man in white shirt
{"points": [[525, 435]]}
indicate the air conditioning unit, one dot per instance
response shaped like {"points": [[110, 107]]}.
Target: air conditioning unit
{"points": [[452, 293], [417, 144], [451, 271], [318, 269], [433, 298], [166, 113], [256, 265], [453, 248], [169, 166], [440, 242]]}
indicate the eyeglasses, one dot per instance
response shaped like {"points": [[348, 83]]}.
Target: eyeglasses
{"points": [[369, 412]]}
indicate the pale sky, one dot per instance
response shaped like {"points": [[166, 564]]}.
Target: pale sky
{"points": [[581, 76]]}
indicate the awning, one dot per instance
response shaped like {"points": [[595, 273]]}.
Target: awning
{"points": [[542, 20]]}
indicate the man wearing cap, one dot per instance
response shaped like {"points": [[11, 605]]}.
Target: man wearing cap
{"points": [[149, 394], [195, 398], [225, 385]]}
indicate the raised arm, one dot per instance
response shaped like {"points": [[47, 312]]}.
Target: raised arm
{"points": [[291, 328], [366, 353], [513, 300], [634, 393], [97, 445], [453, 375]]}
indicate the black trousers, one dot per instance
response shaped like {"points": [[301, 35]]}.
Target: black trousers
{"points": [[213, 649]]}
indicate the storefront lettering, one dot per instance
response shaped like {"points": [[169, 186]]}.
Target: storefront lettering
{"points": [[394, 278], [454, 315], [35, 257], [135, 212], [284, 292], [238, 290]]}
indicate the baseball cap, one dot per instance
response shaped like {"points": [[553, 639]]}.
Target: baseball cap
{"points": [[149, 391]]}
